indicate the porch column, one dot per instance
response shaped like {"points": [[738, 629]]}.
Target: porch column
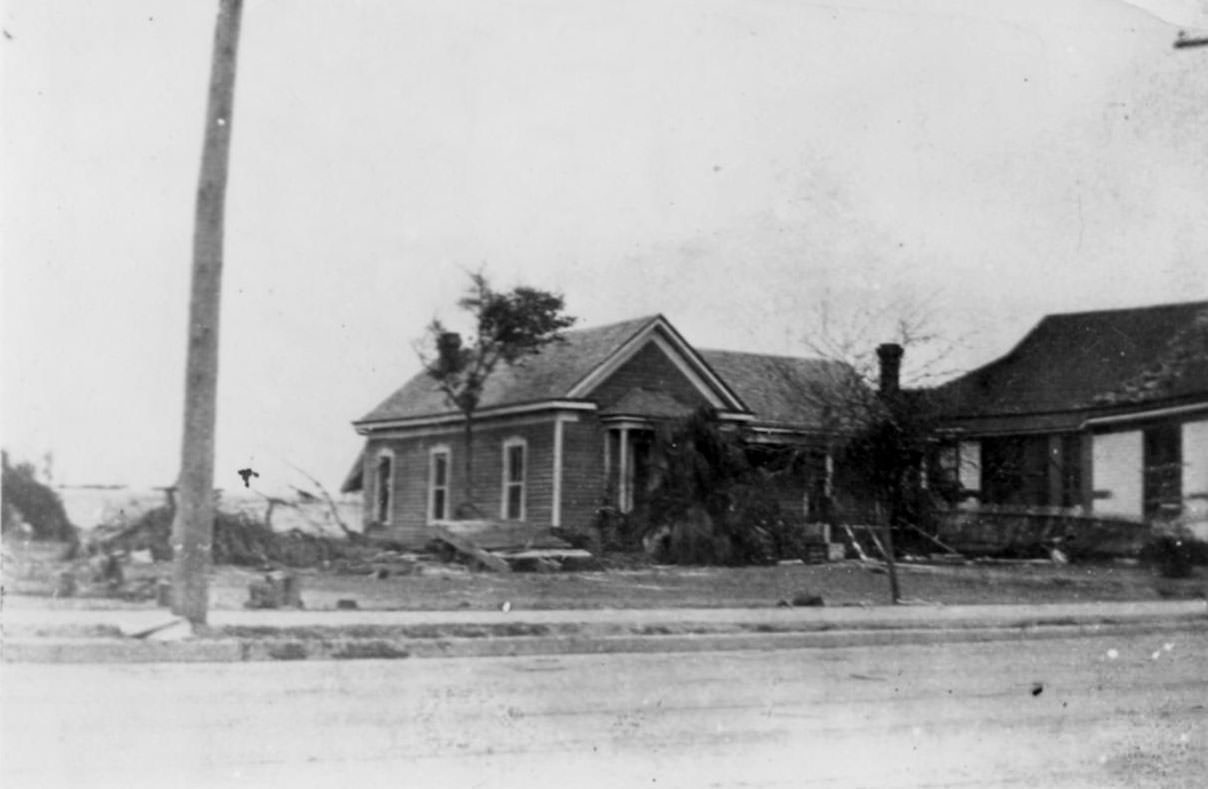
{"points": [[623, 471], [1054, 468], [828, 493], [555, 518]]}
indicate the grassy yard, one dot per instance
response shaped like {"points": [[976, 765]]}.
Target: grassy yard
{"points": [[706, 587], [432, 586]]}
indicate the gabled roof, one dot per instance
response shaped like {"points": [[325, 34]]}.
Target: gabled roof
{"points": [[564, 372], [773, 390], [1084, 360], [550, 375], [784, 390]]}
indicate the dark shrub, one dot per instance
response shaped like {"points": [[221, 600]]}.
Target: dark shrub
{"points": [[37, 504], [618, 531], [712, 505], [1174, 556]]}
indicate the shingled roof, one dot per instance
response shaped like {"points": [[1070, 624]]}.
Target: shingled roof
{"points": [[549, 375], [777, 390], [782, 390], [1084, 360]]}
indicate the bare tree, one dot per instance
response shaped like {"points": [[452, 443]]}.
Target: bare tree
{"points": [[851, 336], [879, 431], [508, 326]]}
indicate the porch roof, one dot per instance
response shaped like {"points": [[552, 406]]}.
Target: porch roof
{"points": [[1079, 362], [785, 391]]}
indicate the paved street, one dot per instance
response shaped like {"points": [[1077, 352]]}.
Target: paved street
{"points": [[1088, 712]]}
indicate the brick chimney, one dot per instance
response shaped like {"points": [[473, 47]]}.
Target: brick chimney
{"points": [[890, 355], [448, 351]]}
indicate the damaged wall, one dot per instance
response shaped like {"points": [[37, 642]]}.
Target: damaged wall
{"points": [[1195, 477], [1116, 473]]}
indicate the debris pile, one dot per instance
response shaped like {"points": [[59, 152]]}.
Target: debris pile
{"points": [[502, 547], [239, 539], [277, 590]]}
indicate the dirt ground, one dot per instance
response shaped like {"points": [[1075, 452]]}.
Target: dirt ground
{"points": [[29, 579], [704, 587]]}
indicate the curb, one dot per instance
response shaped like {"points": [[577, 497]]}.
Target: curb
{"points": [[230, 650]]}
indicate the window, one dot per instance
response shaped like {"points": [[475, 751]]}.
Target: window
{"points": [[944, 475], [438, 484], [384, 486], [513, 478], [1016, 471]]}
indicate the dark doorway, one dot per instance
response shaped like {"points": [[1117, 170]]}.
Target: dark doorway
{"points": [[1163, 472]]}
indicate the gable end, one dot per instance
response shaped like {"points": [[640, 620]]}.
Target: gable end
{"points": [[660, 334]]}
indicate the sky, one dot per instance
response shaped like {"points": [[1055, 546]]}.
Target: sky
{"points": [[740, 166]]}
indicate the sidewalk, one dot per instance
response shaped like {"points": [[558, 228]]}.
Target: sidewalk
{"points": [[148, 635]]}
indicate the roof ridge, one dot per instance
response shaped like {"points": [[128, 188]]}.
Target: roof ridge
{"points": [[1069, 360], [770, 355], [1051, 317], [1120, 310], [642, 319]]}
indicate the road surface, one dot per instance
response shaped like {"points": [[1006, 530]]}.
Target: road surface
{"points": [[1087, 712]]}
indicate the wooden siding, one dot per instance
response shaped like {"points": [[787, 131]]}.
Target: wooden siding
{"points": [[650, 368], [409, 511], [582, 472]]}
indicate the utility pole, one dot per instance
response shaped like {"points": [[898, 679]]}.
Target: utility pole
{"points": [[193, 526]]}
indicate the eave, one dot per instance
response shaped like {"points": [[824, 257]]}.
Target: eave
{"points": [[366, 427]]}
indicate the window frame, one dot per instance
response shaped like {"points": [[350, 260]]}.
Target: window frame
{"points": [[507, 484], [445, 451]]}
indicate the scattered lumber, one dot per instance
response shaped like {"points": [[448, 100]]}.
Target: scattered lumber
{"points": [[494, 535], [877, 542], [936, 540], [545, 560], [468, 547], [851, 535]]}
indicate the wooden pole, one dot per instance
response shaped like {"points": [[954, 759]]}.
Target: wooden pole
{"points": [[895, 591], [193, 527], [467, 508]]}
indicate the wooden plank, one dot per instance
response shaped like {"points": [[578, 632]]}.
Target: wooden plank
{"points": [[497, 535], [855, 543], [470, 548], [549, 553]]}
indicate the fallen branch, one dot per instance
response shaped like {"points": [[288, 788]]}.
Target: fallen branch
{"points": [[353, 536]]}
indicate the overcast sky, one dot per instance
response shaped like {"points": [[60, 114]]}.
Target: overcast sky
{"points": [[731, 164]]}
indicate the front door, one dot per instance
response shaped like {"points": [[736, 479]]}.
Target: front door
{"points": [[641, 452]]}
